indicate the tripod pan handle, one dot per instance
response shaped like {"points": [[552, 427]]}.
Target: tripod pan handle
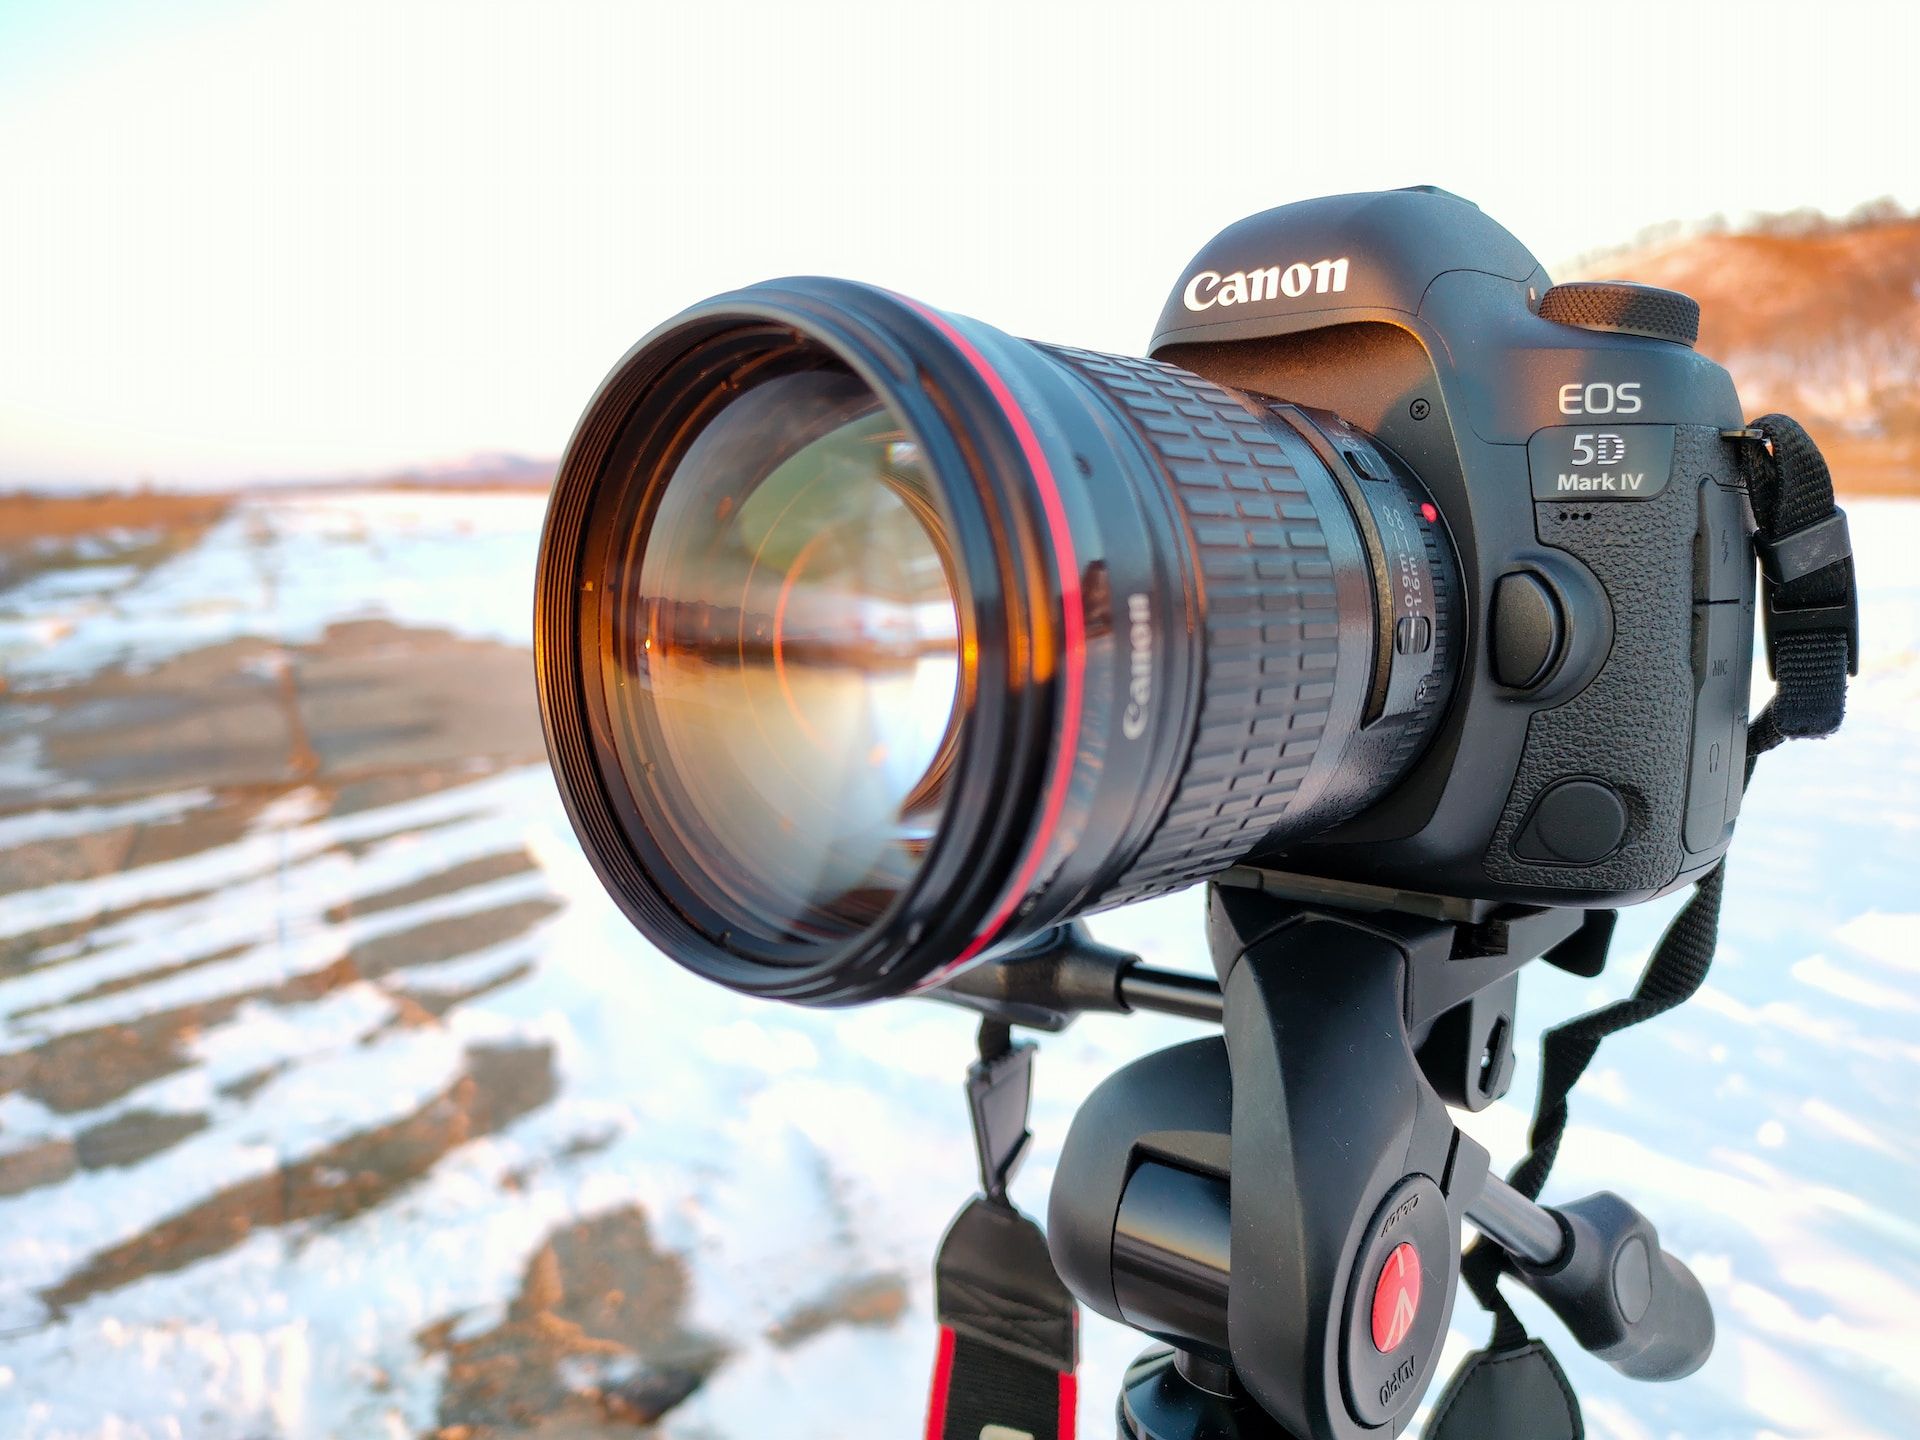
{"points": [[1624, 1298]]}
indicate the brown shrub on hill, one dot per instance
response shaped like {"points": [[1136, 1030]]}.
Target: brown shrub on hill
{"points": [[1819, 320]]}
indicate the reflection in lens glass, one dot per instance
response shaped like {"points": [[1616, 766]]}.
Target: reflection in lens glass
{"points": [[785, 665]]}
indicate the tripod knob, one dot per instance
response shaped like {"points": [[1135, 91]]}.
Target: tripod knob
{"points": [[1624, 1298]]}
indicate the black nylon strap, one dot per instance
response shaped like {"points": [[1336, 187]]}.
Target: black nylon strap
{"points": [[1009, 1330], [1811, 657], [1812, 622], [1009, 1327], [1678, 966], [1515, 1392], [992, 1393]]}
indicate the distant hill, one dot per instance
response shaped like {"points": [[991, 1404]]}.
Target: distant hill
{"points": [[486, 470], [1816, 317]]}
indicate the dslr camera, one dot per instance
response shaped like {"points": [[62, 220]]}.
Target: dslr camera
{"points": [[1404, 595]]}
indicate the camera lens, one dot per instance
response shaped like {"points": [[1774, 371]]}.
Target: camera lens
{"points": [[870, 639], [780, 658]]}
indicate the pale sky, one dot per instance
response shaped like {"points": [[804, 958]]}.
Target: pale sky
{"points": [[246, 241]]}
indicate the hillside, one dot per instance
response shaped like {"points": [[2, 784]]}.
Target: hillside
{"points": [[1821, 320]]}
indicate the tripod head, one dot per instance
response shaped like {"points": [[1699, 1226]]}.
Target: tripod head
{"points": [[1282, 1204]]}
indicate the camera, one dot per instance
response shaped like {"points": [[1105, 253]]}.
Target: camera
{"points": [[872, 641], [1403, 595]]}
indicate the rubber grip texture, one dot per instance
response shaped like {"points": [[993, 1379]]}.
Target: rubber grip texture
{"points": [[1269, 621]]}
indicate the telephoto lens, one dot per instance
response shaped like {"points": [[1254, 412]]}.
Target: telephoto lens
{"points": [[871, 640]]}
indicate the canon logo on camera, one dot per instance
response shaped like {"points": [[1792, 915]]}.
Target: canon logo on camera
{"points": [[1243, 287]]}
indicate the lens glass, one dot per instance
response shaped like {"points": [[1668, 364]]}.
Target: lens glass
{"points": [[781, 658]]}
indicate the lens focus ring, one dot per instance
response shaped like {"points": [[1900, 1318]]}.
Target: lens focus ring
{"points": [[1254, 514]]}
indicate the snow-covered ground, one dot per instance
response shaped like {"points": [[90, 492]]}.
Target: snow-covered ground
{"points": [[286, 568], [1771, 1128]]}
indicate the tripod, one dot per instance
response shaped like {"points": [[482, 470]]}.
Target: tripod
{"points": [[1281, 1205]]}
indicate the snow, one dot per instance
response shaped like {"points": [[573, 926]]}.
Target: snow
{"points": [[33, 826], [287, 567], [1771, 1128]]}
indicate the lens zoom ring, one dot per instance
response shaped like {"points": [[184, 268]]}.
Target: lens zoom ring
{"points": [[1271, 626]]}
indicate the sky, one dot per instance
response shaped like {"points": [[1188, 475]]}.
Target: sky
{"points": [[259, 241]]}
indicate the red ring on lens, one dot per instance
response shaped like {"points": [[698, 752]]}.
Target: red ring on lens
{"points": [[1073, 628]]}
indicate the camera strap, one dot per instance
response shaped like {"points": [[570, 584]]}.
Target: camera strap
{"points": [[1009, 1329], [1514, 1389]]}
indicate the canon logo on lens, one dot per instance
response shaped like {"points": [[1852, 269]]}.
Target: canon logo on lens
{"points": [[1133, 722]]}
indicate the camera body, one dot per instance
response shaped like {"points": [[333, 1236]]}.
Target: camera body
{"points": [[1593, 751]]}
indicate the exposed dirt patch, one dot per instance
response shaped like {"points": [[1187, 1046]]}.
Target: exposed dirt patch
{"points": [[377, 697], [366, 716], [870, 1300], [432, 1004], [501, 1083], [448, 939], [594, 1344], [374, 714], [119, 984], [40, 533], [133, 1135], [124, 1140], [85, 1069], [442, 882], [366, 701], [43, 1162]]}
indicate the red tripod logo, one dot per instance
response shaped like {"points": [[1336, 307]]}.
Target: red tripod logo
{"points": [[1396, 1298]]}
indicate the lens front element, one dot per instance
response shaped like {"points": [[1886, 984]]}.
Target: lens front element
{"points": [[781, 658]]}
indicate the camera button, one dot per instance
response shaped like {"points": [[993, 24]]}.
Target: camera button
{"points": [[1413, 635], [1366, 464], [1576, 822], [1529, 630]]}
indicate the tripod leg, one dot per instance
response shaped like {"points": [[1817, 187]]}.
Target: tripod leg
{"points": [[1348, 1176]]}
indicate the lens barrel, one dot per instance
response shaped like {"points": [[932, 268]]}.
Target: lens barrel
{"points": [[870, 639]]}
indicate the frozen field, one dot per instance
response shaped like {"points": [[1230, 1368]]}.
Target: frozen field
{"points": [[336, 1101]]}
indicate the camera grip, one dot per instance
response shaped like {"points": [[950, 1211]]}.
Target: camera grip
{"points": [[1677, 575]]}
